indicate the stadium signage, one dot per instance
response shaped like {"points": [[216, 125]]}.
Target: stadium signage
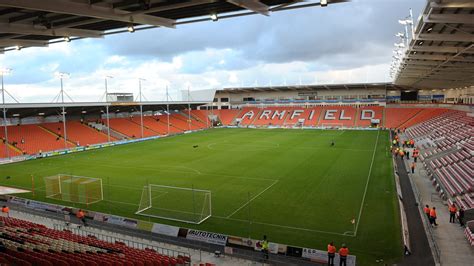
{"points": [[207, 237], [330, 114], [164, 229]]}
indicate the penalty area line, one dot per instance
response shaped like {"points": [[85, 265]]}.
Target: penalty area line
{"points": [[256, 196], [283, 226]]}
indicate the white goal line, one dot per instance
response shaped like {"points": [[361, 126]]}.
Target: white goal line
{"points": [[256, 196]]}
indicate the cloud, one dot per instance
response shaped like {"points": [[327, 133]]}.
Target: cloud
{"points": [[349, 42]]}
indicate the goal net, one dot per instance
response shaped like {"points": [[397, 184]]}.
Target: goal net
{"points": [[175, 203], [71, 188]]}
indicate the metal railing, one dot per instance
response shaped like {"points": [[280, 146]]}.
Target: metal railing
{"points": [[127, 242]]}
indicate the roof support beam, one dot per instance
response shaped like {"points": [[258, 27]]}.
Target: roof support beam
{"points": [[433, 63], [452, 4], [22, 43], [170, 7], [440, 49], [458, 37], [439, 58], [253, 5], [448, 60], [86, 10], [449, 18], [25, 29]]}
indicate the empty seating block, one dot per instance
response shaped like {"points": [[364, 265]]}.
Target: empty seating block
{"points": [[32, 244], [35, 139], [249, 114], [79, 133], [395, 117], [272, 116], [130, 127], [226, 116], [338, 116], [3, 151]]}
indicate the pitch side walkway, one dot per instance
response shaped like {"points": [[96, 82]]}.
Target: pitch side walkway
{"points": [[448, 237], [419, 245]]}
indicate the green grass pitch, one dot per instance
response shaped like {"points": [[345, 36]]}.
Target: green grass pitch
{"points": [[302, 191]]}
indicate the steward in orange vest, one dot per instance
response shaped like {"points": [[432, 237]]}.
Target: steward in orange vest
{"points": [[452, 213], [433, 216], [331, 253], [6, 210], [343, 252]]}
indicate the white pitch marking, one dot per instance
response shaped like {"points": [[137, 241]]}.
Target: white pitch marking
{"points": [[282, 226], [256, 196], [367, 183]]}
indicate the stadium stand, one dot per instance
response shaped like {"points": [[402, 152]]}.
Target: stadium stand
{"points": [[338, 115], [78, 133], [449, 126], [447, 142], [248, 115], [200, 117], [190, 121], [469, 232], [153, 123], [180, 122], [395, 117], [32, 139], [226, 116], [423, 115], [130, 127], [293, 117], [27, 243], [12, 151], [272, 116], [364, 112]]}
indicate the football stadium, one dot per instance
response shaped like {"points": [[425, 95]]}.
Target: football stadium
{"points": [[343, 172]]}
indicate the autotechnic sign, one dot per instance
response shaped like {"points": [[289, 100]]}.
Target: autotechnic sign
{"points": [[203, 236]]}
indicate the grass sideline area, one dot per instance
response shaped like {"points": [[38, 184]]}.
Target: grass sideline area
{"points": [[302, 191]]}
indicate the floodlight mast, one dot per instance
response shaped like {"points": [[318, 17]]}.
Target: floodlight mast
{"points": [[189, 109], [4, 72], [168, 109], [107, 107], [63, 75], [141, 105]]}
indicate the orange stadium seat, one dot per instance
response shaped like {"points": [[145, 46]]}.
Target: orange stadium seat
{"points": [[423, 115], [226, 116], [310, 116], [28, 243], [201, 116], [272, 116], [79, 133], [3, 151], [338, 115], [249, 114], [395, 117], [130, 127], [365, 114], [35, 139]]}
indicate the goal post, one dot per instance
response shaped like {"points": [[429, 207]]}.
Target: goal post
{"points": [[181, 204], [72, 188]]}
